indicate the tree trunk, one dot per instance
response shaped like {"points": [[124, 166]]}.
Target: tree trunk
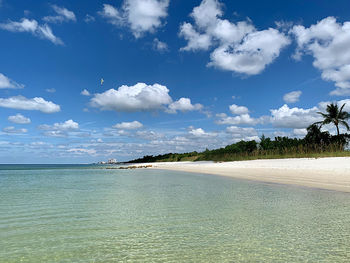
{"points": [[337, 129]]}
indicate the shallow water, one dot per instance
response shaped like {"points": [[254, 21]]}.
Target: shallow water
{"points": [[77, 214]]}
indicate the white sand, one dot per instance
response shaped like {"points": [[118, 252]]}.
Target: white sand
{"points": [[325, 173]]}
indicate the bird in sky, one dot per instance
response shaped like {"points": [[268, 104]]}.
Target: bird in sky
{"points": [[102, 80]]}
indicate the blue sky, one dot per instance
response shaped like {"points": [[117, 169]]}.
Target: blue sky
{"points": [[178, 75]]}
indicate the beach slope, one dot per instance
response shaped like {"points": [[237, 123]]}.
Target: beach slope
{"points": [[325, 173]]}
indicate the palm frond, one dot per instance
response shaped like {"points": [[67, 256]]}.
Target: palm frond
{"points": [[341, 108], [344, 115], [345, 124], [323, 114], [327, 121]]}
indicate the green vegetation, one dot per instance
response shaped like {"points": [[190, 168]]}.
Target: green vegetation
{"points": [[336, 116], [316, 143]]}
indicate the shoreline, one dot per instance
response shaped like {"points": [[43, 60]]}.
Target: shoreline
{"points": [[330, 173]]}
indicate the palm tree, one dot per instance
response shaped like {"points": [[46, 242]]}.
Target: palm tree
{"points": [[335, 116]]}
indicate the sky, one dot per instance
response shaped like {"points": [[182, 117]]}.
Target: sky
{"points": [[85, 81]]}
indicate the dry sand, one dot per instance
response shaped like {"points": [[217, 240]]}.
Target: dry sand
{"points": [[324, 173]]}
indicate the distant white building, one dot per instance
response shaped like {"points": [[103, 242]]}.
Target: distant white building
{"points": [[112, 161]]}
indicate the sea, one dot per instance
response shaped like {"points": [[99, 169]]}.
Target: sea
{"points": [[85, 213]]}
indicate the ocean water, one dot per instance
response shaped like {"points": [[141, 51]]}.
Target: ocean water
{"points": [[81, 214]]}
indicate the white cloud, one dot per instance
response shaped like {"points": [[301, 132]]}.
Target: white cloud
{"points": [[240, 47], [80, 151], [6, 83], [140, 16], [240, 133], [183, 104], [19, 118], [68, 125], [32, 26], [140, 97], [195, 40], [159, 45], [329, 44], [23, 103], [243, 119], [299, 132], [292, 97], [257, 50], [236, 131], [297, 118], [55, 133], [111, 14], [52, 90], [89, 18], [128, 125], [13, 130], [39, 144], [200, 133], [206, 14], [284, 117], [238, 110], [59, 129], [63, 15], [85, 92], [149, 135]]}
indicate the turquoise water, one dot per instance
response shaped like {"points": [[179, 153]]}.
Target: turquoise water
{"points": [[78, 214]]}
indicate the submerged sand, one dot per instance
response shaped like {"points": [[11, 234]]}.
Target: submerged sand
{"points": [[325, 173]]}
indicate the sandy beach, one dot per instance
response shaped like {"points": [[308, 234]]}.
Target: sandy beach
{"points": [[323, 173]]}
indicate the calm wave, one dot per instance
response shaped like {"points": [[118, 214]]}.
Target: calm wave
{"points": [[77, 214]]}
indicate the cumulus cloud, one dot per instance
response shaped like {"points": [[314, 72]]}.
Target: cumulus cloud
{"points": [[13, 130], [299, 132], [200, 133], [239, 47], [140, 97], [329, 43], [85, 92], [159, 45], [195, 40], [6, 83], [23, 103], [183, 104], [32, 26], [250, 57], [238, 110], [242, 133], [128, 125], [19, 118], [63, 15], [59, 129], [243, 119], [297, 118], [68, 125], [292, 97], [141, 16]]}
